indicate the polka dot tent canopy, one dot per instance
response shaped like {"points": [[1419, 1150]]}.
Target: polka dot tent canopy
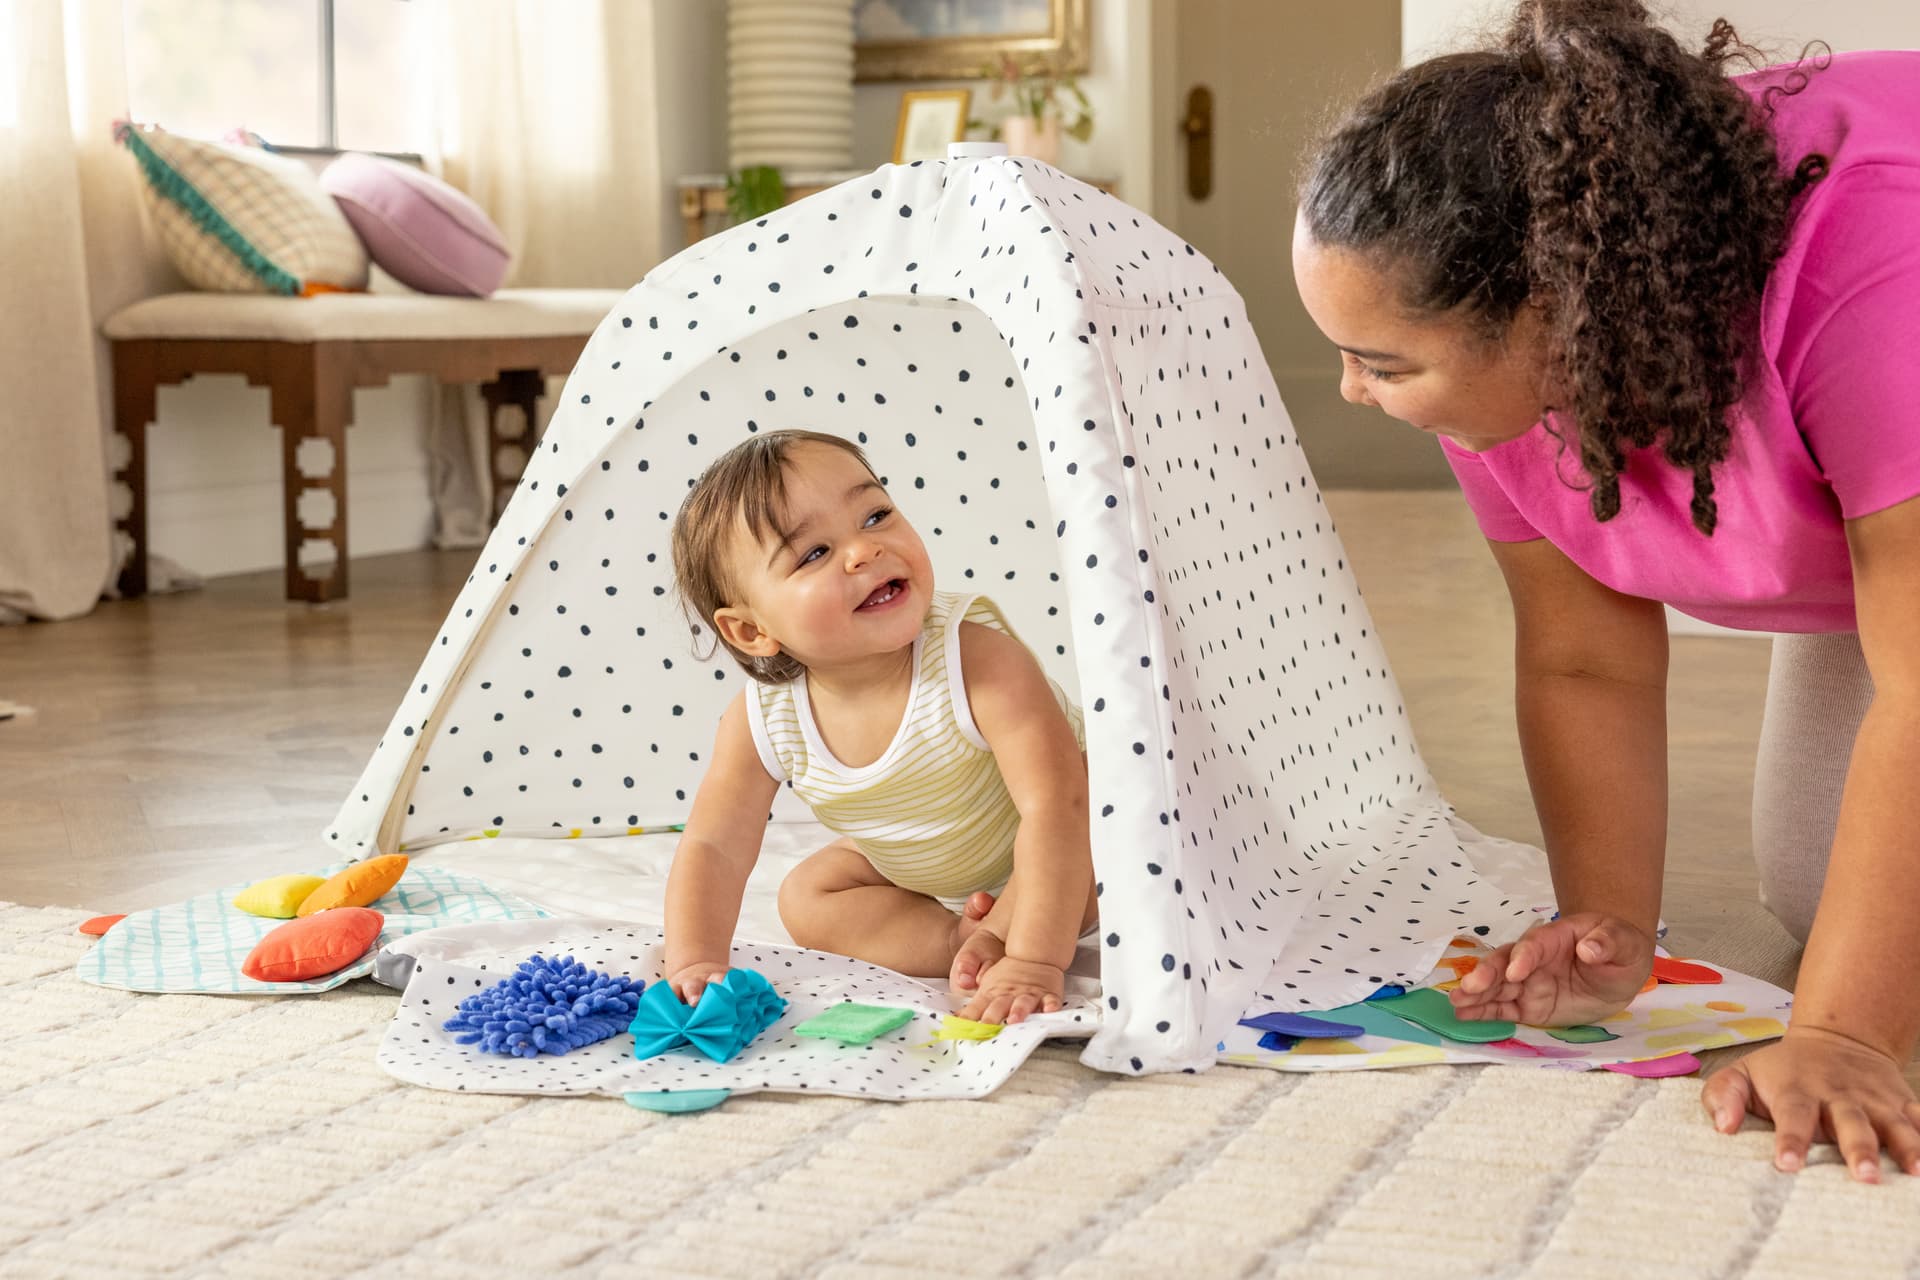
{"points": [[1069, 403]]}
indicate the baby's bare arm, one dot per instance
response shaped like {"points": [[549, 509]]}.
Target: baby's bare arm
{"points": [[1046, 776], [718, 849]]}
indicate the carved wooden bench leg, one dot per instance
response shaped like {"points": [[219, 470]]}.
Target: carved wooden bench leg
{"points": [[135, 381], [521, 388], [312, 399]]}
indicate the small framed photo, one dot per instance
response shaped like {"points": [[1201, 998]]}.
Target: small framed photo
{"points": [[929, 120]]}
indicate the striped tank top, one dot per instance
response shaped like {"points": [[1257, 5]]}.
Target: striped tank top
{"points": [[932, 813]]}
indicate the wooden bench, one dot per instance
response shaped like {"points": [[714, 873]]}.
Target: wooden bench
{"points": [[310, 354]]}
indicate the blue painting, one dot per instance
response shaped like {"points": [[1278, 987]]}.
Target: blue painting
{"points": [[890, 20]]}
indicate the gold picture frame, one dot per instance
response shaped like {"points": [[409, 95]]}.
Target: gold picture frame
{"points": [[1066, 46], [929, 120]]}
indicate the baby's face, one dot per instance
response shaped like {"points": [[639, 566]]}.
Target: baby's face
{"points": [[850, 579]]}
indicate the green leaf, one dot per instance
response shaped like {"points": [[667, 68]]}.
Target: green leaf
{"points": [[754, 192]]}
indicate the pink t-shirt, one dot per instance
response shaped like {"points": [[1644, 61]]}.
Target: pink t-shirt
{"points": [[1829, 428]]}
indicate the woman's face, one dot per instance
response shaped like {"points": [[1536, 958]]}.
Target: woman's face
{"points": [[1436, 373]]}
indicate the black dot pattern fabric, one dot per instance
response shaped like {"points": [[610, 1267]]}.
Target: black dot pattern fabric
{"points": [[1069, 403], [910, 1062]]}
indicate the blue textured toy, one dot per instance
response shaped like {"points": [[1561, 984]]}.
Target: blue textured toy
{"points": [[731, 1012], [547, 1006]]}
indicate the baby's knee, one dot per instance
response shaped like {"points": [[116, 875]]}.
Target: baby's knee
{"points": [[799, 901]]}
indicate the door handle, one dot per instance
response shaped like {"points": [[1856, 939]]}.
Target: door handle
{"points": [[1198, 126]]}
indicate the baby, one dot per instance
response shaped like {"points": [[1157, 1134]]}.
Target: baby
{"points": [[911, 721]]}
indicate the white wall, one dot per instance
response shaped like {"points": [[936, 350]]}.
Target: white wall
{"points": [[690, 77], [1779, 27]]}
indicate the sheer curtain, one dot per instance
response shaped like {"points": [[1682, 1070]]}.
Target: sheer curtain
{"points": [[546, 114], [73, 249]]}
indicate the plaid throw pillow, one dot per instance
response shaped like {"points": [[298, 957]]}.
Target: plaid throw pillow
{"points": [[241, 220]]}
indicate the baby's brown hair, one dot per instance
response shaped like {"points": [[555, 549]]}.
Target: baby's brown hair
{"points": [[747, 481]]}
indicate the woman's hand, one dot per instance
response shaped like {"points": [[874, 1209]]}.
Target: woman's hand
{"points": [[1012, 989], [1563, 973], [692, 979], [1817, 1082]]}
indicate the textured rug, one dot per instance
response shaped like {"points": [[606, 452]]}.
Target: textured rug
{"points": [[250, 1136]]}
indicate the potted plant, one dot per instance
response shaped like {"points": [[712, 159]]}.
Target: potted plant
{"points": [[1043, 99], [754, 192]]}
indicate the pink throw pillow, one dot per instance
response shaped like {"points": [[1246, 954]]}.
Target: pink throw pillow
{"points": [[423, 232]]}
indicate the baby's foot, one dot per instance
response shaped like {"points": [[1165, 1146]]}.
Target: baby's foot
{"points": [[971, 914], [976, 949]]}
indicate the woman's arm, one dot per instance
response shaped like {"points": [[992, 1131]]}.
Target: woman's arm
{"points": [[1861, 975], [717, 850], [1856, 1006], [1590, 673], [1040, 761], [1590, 694]]}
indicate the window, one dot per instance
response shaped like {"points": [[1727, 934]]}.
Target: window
{"points": [[330, 74]]}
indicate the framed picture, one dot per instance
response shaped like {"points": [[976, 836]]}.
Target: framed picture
{"points": [[929, 120], [959, 39]]}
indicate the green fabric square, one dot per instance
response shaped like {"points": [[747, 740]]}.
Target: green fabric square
{"points": [[854, 1023]]}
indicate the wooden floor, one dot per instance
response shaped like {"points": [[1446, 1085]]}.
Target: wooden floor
{"points": [[183, 741]]}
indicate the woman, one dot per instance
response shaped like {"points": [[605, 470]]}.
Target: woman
{"points": [[1666, 325]]}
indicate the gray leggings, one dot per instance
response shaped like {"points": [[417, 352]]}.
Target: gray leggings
{"points": [[1818, 691]]}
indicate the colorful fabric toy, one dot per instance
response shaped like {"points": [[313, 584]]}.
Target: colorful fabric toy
{"points": [[731, 1012], [303, 949], [1431, 1009], [851, 1023], [955, 1027], [1300, 1026], [547, 1007], [678, 1102], [359, 885], [279, 897]]}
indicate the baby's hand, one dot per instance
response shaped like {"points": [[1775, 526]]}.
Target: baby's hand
{"points": [[690, 981], [1012, 989]]}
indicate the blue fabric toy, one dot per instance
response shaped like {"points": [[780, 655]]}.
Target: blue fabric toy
{"points": [[1300, 1026], [731, 1012], [546, 1007]]}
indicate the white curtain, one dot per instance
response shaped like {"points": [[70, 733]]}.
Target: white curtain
{"points": [[545, 115], [73, 249]]}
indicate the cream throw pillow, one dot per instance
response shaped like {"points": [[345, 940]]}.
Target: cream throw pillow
{"points": [[243, 220]]}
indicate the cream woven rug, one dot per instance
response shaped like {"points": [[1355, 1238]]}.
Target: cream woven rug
{"points": [[250, 1137]]}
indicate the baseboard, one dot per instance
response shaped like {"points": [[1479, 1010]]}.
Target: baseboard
{"points": [[238, 528]]}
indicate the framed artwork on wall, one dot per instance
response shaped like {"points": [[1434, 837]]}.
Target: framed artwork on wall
{"points": [[929, 120], [958, 39]]}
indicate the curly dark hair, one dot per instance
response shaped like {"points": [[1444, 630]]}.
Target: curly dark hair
{"points": [[1591, 166]]}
